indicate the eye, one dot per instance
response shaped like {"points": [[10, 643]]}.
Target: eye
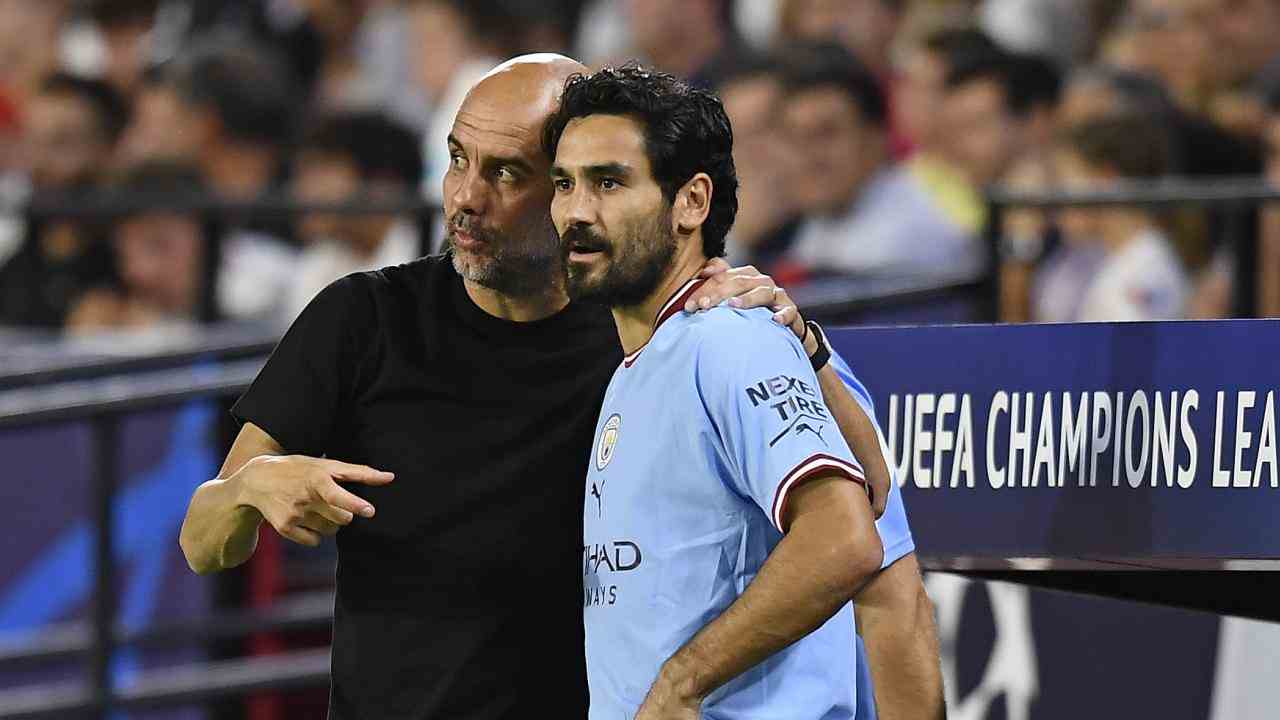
{"points": [[504, 174], [609, 184], [562, 184], [457, 161]]}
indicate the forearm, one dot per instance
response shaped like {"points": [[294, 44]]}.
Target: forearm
{"points": [[858, 429], [896, 620], [806, 579], [219, 531]]}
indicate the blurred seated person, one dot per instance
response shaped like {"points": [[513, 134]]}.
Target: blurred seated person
{"points": [[166, 260], [68, 132], [869, 29], [1139, 276], [348, 158], [863, 216], [767, 217], [1199, 149], [237, 106]]}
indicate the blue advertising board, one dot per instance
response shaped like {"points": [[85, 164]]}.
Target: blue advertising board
{"points": [[1146, 443]]}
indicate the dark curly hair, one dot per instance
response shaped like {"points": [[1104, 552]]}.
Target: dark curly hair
{"points": [[686, 132]]}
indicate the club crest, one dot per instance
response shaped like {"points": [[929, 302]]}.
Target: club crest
{"points": [[608, 439]]}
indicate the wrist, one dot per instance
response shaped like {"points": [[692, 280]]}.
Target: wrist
{"points": [[679, 680], [811, 343], [241, 491], [820, 350]]}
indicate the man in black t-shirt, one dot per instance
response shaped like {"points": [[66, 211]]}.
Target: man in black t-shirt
{"points": [[471, 385]]}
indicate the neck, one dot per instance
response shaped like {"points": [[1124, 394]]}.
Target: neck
{"points": [[1122, 227], [636, 323], [522, 308]]}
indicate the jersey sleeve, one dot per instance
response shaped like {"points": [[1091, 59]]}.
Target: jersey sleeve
{"points": [[299, 396], [773, 429], [892, 527]]}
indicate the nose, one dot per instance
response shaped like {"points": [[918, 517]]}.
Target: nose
{"points": [[469, 193], [576, 208]]}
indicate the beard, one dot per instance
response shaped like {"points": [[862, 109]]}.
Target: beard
{"points": [[634, 265], [522, 263]]}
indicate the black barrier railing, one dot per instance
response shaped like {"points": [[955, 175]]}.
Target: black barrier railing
{"points": [[32, 360]]}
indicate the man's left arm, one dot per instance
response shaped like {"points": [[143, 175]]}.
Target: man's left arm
{"points": [[829, 551]]}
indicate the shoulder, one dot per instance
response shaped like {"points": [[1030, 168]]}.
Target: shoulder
{"points": [[728, 336]]}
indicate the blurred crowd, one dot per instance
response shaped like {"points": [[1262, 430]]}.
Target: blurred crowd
{"points": [[866, 134]]}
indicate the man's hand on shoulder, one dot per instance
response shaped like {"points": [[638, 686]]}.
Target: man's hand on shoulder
{"points": [[746, 288], [300, 496]]}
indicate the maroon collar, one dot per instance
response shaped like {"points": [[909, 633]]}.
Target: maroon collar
{"points": [[673, 305]]}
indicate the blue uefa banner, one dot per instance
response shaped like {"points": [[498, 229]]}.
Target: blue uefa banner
{"points": [[1152, 443]]}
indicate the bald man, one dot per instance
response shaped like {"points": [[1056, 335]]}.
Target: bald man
{"points": [[472, 385]]}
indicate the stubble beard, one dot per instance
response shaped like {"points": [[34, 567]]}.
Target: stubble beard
{"points": [[526, 264], [631, 276]]}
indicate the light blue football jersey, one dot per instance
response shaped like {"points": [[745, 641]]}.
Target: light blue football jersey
{"points": [[702, 434]]}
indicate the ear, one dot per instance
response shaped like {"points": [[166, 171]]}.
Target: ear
{"points": [[692, 205]]}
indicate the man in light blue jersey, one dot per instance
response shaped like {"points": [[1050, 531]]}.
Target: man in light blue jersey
{"points": [[727, 524]]}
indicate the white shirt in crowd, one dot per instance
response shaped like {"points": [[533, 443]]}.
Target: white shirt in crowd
{"points": [[893, 228], [1143, 280], [327, 260], [255, 273], [1057, 290]]}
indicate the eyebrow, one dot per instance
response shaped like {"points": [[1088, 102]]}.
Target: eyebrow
{"points": [[613, 169], [513, 161]]}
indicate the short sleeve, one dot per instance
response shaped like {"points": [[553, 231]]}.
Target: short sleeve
{"points": [[301, 393], [765, 404]]}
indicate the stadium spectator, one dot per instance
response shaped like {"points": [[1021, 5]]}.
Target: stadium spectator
{"points": [[166, 261], [1165, 39], [239, 132], [863, 215], [767, 215], [126, 30], [1140, 277], [867, 28], [1269, 240], [694, 39], [70, 128], [30, 31], [350, 157], [1025, 230], [923, 84], [155, 128]]}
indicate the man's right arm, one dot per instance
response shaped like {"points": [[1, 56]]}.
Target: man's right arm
{"points": [[299, 496], [895, 619]]}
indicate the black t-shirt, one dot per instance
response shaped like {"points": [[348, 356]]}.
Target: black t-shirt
{"points": [[462, 597]]}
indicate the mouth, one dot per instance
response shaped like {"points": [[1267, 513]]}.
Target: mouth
{"points": [[585, 250], [464, 240]]}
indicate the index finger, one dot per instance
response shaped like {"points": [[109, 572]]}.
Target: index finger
{"points": [[754, 290], [335, 495], [347, 472]]}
